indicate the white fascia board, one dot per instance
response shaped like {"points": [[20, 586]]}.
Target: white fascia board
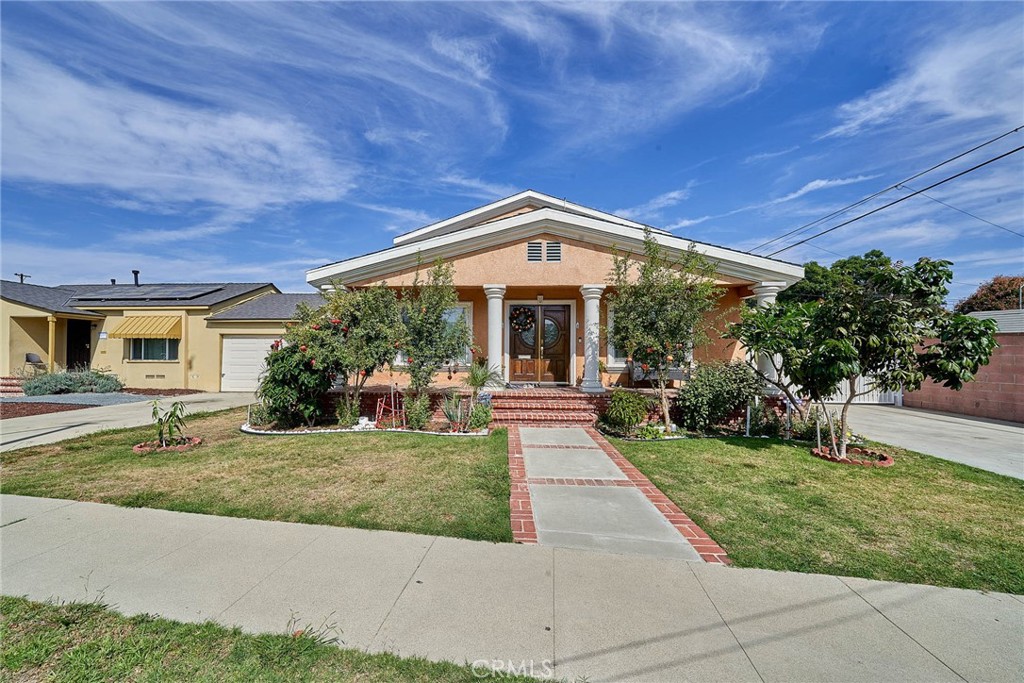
{"points": [[613, 235], [516, 201]]}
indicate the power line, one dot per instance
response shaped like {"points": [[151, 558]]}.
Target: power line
{"points": [[888, 189], [966, 213], [901, 199]]}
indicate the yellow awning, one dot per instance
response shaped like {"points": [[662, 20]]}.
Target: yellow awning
{"points": [[149, 327]]}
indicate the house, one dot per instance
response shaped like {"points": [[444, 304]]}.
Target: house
{"points": [[207, 336], [533, 257]]}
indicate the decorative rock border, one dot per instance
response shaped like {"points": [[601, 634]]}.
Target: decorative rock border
{"points": [[875, 459], [249, 429], [155, 447]]}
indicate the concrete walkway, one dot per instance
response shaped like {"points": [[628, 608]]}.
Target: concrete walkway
{"points": [[582, 499], [569, 613], [991, 445], [20, 432]]}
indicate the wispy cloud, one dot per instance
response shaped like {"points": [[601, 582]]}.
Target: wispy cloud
{"points": [[814, 186], [964, 76], [477, 187], [764, 156], [652, 208]]}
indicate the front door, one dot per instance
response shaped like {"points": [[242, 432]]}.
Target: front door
{"points": [[78, 342], [540, 352]]}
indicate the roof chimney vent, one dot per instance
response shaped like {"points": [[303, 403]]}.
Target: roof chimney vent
{"points": [[113, 281], [136, 274]]}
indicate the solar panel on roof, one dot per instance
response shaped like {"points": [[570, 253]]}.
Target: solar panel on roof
{"points": [[148, 292]]}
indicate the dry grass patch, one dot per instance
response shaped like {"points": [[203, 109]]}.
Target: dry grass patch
{"points": [[773, 505], [402, 482]]}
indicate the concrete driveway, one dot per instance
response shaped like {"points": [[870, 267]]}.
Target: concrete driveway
{"points": [[20, 432], [990, 445]]}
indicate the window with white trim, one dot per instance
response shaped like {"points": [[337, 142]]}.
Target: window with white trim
{"points": [[614, 359], [452, 315], [153, 349]]}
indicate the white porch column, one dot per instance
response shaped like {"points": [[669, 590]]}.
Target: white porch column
{"points": [[591, 338], [765, 293], [495, 326]]}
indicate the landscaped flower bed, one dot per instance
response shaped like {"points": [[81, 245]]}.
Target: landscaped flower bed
{"points": [[180, 445], [855, 456]]}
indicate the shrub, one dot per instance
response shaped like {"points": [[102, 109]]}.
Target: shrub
{"points": [[457, 411], [259, 415], [75, 382], [651, 431], [714, 391], [807, 429], [293, 386], [417, 411], [626, 410], [347, 412], [170, 423], [765, 421], [481, 416]]}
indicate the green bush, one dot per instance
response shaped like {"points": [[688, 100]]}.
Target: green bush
{"points": [[259, 415], [347, 412], [626, 410], [418, 411], [765, 421], [714, 391], [293, 387], [75, 382], [651, 431], [481, 416], [807, 430]]}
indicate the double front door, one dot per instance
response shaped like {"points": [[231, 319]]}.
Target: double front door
{"points": [[539, 352]]}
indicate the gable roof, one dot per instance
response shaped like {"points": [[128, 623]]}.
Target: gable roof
{"points": [[269, 307], [590, 229], [525, 200], [52, 299], [160, 295]]}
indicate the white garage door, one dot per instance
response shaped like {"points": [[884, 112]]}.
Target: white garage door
{"points": [[242, 361]]}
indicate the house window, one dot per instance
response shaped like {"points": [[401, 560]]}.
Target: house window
{"points": [[153, 349], [554, 251], [451, 316], [534, 251], [615, 358]]}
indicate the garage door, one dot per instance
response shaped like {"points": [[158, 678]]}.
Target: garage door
{"points": [[242, 361]]}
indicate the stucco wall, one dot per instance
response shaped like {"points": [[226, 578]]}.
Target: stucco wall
{"points": [[997, 391], [26, 330]]}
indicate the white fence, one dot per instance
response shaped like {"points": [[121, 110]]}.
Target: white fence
{"points": [[873, 396]]}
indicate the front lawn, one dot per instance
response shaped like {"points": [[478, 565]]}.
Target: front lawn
{"points": [[448, 486], [85, 642], [773, 505]]}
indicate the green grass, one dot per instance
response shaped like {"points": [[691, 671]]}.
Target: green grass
{"points": [[773, 505], [86, 642], [447, 486]]}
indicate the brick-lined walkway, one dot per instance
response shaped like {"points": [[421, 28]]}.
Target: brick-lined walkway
{"points": [[555, 499]]}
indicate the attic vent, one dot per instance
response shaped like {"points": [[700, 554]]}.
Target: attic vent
{"points": [[534, 251], [554, 251]]}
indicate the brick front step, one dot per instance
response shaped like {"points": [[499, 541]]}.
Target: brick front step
{"points": [[10, 386], [545, 417]]}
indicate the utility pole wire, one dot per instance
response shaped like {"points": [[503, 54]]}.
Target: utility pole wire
{"points": [[966, 213], [888, 189], [901, 199]]}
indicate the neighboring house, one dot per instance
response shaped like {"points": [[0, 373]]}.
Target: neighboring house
{"points": [[536, 253], [997, 391], [161, 336]]}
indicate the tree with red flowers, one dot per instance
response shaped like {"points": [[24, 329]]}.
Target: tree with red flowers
{"points": [[660, 310]]}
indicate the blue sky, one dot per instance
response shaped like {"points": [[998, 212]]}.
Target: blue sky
{"points": [[215, 141]]}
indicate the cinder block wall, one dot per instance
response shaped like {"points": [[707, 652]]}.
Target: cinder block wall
{"points": [[997, 392]]}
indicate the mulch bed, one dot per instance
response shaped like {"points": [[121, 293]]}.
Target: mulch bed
{"points": [[865, 457], [161, 392], [11, 410]]}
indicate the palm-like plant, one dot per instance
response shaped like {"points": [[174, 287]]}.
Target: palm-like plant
{"points": [[479, 376]]}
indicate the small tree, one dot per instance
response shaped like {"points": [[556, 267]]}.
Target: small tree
{"points": [[432, 340], [1001, 293], [660, 309], [877, 329], [367, 331]]}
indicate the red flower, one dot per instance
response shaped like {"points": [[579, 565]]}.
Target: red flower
{"points": [[314, 326], [645, 367], [312, 362], [335, 321], [344, 329], [302, 348]]}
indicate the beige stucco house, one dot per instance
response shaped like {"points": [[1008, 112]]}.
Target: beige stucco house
{"points": [[533, 256], [158, 336]]}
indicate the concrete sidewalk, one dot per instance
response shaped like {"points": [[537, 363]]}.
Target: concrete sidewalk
{"points": [[569, 612], [991, 445], [20, 432]]}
